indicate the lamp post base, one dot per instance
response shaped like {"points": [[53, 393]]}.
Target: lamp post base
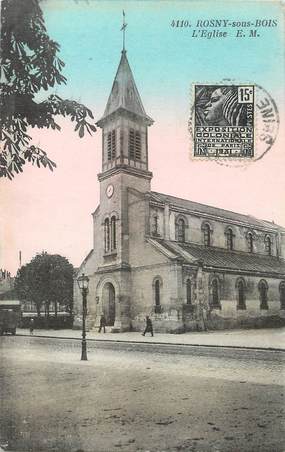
{"points": [[83, 351]]}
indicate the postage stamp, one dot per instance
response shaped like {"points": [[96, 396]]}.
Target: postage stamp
{"points": [[224, 120], [232, 122]]}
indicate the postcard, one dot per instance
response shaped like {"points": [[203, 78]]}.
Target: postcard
{"points": [[142, 148]]}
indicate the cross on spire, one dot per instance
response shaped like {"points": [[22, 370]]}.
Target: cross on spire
{"points": [[123, 29]]}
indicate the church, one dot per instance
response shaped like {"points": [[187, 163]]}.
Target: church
{"points": [[188, 266]]}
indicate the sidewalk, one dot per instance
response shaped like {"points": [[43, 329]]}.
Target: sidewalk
{"points": [[268, 338]]}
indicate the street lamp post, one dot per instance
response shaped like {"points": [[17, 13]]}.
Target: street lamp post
{"points": [[83, 282]]}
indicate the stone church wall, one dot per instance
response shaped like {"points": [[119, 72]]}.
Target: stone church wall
{"points": [[194, 233], [168, 317], [231, 317], [141, 253]]}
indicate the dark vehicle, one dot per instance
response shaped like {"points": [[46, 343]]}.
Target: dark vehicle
{"points": [[9, 320], [10, 314]]}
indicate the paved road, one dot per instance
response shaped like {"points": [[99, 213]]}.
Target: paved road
{"points": [[58, 344], [248, 364], [139, 397]]}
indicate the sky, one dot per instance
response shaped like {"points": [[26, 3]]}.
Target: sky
{"points": [[51, 211]]}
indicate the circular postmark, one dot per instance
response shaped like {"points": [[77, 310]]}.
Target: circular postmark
{"points": [[267, 122], [232, 123]]}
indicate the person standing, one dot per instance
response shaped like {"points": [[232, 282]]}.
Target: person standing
{"points": [[148, 328], [102, 324], [32, 325]]}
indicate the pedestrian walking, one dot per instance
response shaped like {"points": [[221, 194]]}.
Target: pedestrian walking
{"points": [[148, 328], [102, 324], [32, 324]]}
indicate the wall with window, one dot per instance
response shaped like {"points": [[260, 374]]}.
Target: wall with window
{"points": [[141, 253], [221, 234], [246, 297], [111, 225], [124, 141], [157, 291], [111, 144], [156, 222], [191, 226], [107, 223], [133, 138]]}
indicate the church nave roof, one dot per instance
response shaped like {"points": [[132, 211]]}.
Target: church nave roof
{"points": [[218, 258]]}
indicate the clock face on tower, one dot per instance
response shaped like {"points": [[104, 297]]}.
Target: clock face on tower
{"points": [[110, 190]]}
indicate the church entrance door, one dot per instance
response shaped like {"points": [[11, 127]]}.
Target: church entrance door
{"points": [[109, 303]]}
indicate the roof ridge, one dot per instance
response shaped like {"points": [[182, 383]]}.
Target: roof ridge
{"points": [[267, 223]]}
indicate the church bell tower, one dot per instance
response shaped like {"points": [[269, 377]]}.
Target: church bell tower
{"points": [[124, 128], [124, 163], [124, 176]]}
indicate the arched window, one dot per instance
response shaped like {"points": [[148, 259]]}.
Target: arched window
{"points": [[113, 233], [230, 239], [282, 294], [157, 283], [267, 242], [157, 292], [155, 225], [240, 294], [250, 242], [215, 294], [180, 230], [188, 292], [206, 234], [107, 235], [263, 288]]}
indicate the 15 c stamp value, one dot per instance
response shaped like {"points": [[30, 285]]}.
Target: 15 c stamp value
{"points": [[224, 120], [232, 122]]}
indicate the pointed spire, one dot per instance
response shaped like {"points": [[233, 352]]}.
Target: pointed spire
{"points": [[124, 93]]}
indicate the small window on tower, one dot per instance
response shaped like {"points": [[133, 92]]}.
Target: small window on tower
{"points": [[111, 145], [107, 235], [113, 233], [132, 144], [138, 146], [113, 153]]}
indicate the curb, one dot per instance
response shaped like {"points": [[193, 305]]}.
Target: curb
{"points": [[179, 344]]}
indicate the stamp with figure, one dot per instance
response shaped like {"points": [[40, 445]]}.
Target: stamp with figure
{"points": [[224, 121]]}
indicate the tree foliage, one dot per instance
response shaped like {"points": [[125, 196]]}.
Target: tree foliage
{"points": [[29, 64], [46, 280]]}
